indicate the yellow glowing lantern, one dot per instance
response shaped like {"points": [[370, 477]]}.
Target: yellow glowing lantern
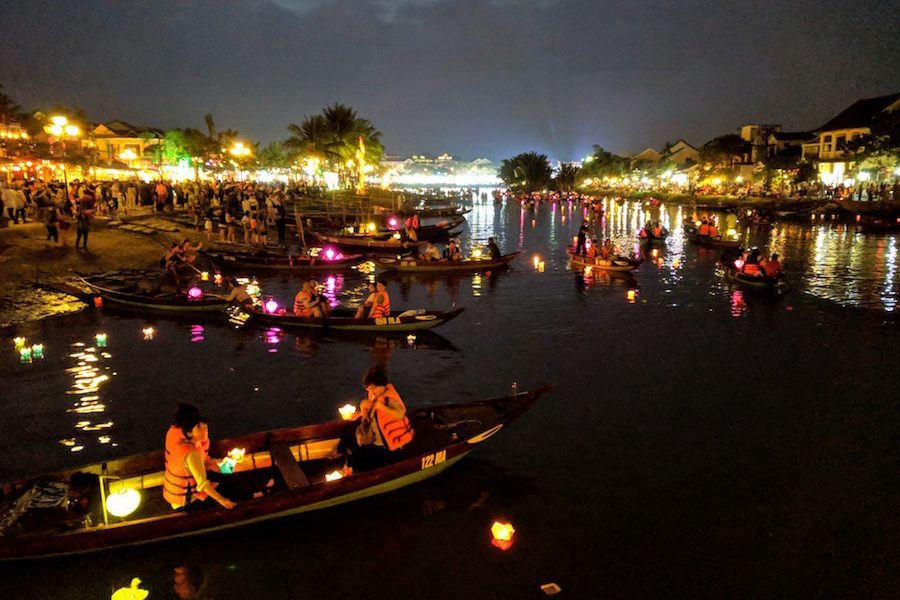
{"points": [[476, 253], [396, 236], [333, 476], [347, 411], [370, 227], [123, 503], [19, 342], [675, 262], [204, 276], [536, 260], [133, 592], [631, 295], [237, 454], [654, 253], [502, 534]]}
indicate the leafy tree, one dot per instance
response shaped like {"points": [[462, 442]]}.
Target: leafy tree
{"points": [[309, 138], [9, 110], [880, 149], [603, 163], [724, 150], [566, 176], [273, 156], [528, 172]]}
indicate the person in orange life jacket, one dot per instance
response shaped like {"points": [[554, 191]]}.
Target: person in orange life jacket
{"points": [[370, 301], [659, 231], [187, 461], [379, 426], [704, 227], [594, 250], [381, 303], [771, 267], [713, 230], [412, 222], [751, 264], [302, 302]]}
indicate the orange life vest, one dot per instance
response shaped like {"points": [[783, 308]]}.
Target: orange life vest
{"points": [[179, 486], [713, 232], [383, 309], [772, 268], [750, 269], [704, 229], [300, 300], [396, 433], [657, 232]]}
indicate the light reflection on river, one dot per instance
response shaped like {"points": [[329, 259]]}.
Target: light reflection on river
{"points": [[699, 434]]}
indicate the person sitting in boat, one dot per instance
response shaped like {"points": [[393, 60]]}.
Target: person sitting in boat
{"points": [[409, 240], [187, 248], [493, 249], [659, 231], [187, 461], [317, 302], [238, 293], [381, 303], [380, 424], [302, 302], [581, 240], [452, 252], [594, 249], [370, 301], [646, 231], [772, 268], [431, 253], [704, 227], [751, 264], [713, 231], [608, 251], [412, 222]]}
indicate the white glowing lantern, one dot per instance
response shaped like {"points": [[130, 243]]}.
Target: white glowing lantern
{"points": [[347, 411], [123, 503], [476, 253], [333, 476]]}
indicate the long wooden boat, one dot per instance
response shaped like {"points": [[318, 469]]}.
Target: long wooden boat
{"points": [[362, 243], [283, 473], [652, 239], [409, 265], [713, 242], [774, 284], [269, 260], [344, 320], [124, 291], [438, 211], [620, 263]]}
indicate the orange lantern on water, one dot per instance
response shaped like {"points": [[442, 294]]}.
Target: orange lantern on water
{"points": [[502, 534], [98, 301], [631, 295]]}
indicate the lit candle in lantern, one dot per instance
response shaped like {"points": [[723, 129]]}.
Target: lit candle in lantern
{"points": [[271, 306], [204, 276], [148, 333], [217, 279], [347, 411], [333, 476], [25, 354], [195, 293], [98, 302], [654, 253], [100, 338], [19, 342], [476, 253], [502, 534], [536, 260], [631, 295], [37, 351]]}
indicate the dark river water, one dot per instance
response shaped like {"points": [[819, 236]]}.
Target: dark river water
{"points": [[701, 440]]}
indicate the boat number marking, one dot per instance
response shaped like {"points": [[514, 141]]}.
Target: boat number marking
{"points": [[387, 320], [435, 458]]}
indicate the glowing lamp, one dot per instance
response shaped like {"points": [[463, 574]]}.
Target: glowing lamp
{"points": [[333, 476], [476, 253], [347, 411], [631, 295], [19, 342], [123, 503], [575, 240], [654, 253], [411, 339], [133, 592], [698, 223], [25, 354], [98, 301], [100, 338], [329, 253], [37, 351], [588, 270], [271, 306], [536, 260], [370, 227], [148, 333], [857, 218], [660, 262], [195, 293], [237, 454], [396, 236], [731, 233], [675, 262], [739, 264], [217, 279], [204, 276], [392, 222], [502, 534], [541, 266]]}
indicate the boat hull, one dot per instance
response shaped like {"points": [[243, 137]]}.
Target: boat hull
{"points": [[394, 323], [275, 262], [621, 265], [419, 266]]}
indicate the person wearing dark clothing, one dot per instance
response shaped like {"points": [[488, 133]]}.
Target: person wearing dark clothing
{"points": [[493, 249], [82, 226], [52, 219], [581, 246]]}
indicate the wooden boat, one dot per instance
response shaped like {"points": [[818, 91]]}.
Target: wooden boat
{"points": [[774, 284], [122, 289], [619, 263], [653, 239], [438, 211], [362, 243], [409, 265], [344, 320], [713, 242], [283, 473], [269, 260], [430, 233]]}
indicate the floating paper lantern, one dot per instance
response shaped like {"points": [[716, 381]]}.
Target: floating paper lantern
{"points": [[195, 293], [123, 503], [100, 338], [333, 476], [502, 534]]}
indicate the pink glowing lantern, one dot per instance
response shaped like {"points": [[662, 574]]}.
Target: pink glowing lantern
{"points": [[271, 306], [329, 253], [739, 264], [195, 293], [392, 222]]}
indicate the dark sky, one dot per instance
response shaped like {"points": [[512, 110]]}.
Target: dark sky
{"points": [[473, 78]]}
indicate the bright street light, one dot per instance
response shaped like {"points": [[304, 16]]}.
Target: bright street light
{"points": [[239, 149]]}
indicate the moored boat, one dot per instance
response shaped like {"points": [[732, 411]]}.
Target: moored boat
{"points": [[269, 260], [775, 284], [619, 263], [283, 472], [410, 265], [713, 242], [344, 320], [126, 290], [362, 243]]}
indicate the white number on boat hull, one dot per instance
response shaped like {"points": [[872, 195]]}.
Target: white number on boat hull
{"points": [[434, 459]]}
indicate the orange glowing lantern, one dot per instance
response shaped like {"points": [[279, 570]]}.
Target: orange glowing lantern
{"points": [[631, 295], [857, 218], [217, 279], [502, 534], [98, 302], [654, 253], [347, 411]]}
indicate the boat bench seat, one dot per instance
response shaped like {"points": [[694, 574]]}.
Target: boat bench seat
{"points": [[287, 465]]}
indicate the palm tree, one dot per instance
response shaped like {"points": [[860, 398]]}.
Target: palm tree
{"points": [[309, 138], [528, 172], [565, 176]]}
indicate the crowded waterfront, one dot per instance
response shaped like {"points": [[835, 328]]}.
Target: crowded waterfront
{"points": [[657, 378]]}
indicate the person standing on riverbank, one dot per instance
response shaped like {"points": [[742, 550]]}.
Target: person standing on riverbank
{"points": [[82, 226]]}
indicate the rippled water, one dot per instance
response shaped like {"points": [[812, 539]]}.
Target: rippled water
{"points": [[701, 440]]}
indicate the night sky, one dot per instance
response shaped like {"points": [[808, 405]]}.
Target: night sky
{"points": [[476, 79]]}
